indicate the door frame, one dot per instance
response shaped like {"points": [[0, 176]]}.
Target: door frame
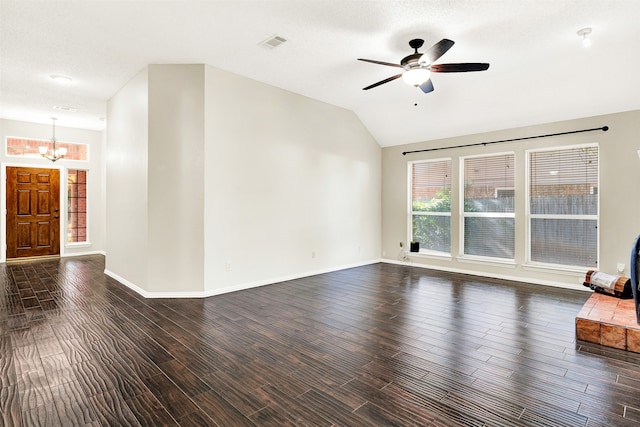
{"points": [[3, 202]]}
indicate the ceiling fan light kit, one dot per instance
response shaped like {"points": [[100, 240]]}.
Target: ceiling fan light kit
{"points": [[419, 66], [416, 76]]}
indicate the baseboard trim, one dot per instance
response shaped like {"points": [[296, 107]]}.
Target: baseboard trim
{"points": [[234, 288], [534, 281], [68, 255], [271, 281], [149, 295], [125, 282]]}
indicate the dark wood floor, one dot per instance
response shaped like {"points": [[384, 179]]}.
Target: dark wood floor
{"points": [[381, 345]]}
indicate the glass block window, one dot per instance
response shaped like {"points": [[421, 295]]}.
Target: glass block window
{"points": [[25, 147], [76, 206]]}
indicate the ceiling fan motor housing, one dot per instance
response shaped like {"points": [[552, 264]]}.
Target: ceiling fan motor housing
{"points": [[411, 61], [416, 44]]}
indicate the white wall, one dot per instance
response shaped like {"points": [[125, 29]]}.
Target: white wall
{"points": [[126, 175], [286, 178], [176, 178], [216, 182], [96, 206], [619, 200]]}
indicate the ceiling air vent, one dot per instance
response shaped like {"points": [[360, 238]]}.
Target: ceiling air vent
{"points": [[273, 41], [65, 108]]}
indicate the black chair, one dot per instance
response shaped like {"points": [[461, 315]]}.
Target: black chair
{"points": [[634, 266]]}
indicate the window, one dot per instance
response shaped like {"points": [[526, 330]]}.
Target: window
{"points": [[430, 184], [488, 212], [24, 147], [563, 206], [76, 206]]}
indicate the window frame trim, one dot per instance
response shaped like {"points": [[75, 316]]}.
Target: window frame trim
{"points": [[462, 214], [87, 242], [537, 265], [411, 213]]}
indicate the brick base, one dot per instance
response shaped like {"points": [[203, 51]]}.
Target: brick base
{"points": [[609, 321]]}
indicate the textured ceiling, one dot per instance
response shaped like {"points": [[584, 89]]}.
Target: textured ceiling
{"points": [[539, 71]]}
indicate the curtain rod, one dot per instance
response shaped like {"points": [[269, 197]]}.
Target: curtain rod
{"points": [[604, 129]]}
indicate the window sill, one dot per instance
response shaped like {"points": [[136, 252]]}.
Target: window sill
{"points": [[431, 254], [77, 245], [508, 263], [559, 269]]}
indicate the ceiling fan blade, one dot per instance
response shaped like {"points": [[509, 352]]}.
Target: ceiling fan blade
{"points": [[382, 82], [380, 62], [427, 86], [459, 68], [436, 51]]}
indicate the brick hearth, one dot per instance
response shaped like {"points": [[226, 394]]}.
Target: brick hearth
{"points": [[609, 321]]}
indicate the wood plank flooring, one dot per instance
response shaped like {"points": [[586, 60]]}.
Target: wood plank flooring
{"points": [[380, 345]]}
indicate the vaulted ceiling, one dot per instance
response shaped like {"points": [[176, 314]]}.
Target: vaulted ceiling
{"points": [[540, 72]]}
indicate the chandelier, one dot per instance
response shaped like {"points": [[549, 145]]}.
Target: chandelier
{"points": [[56, 153]]}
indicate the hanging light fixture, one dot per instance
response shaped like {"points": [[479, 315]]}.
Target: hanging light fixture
{"points": [[56, 153]]}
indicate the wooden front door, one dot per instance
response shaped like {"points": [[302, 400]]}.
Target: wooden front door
{"points": [[33, 212]]}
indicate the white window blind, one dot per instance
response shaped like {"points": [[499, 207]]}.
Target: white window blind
{"points": [[488, 214], [430, 186], [563, 206]]}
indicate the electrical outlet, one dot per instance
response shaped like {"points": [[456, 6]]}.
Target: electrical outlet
{"points": [[313, 254], [227, 266]]}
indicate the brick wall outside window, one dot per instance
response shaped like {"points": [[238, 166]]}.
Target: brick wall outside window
{"points": [[24, 147], [76, 206]]}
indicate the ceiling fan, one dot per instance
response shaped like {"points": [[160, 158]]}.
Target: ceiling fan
{"points": [[419, 66]]}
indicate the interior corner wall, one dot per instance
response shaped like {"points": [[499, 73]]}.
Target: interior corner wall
{"points": [[619, 201], [176, 179], [127, 183], [292, 185]]}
